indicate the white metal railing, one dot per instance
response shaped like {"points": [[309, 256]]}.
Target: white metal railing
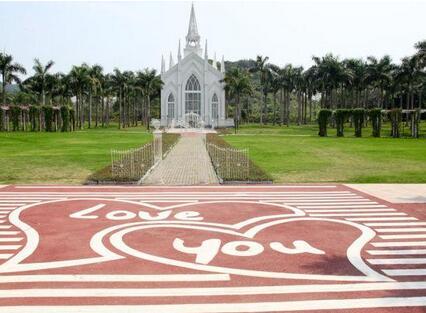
{"points": [[229, 163], [132, 163]]}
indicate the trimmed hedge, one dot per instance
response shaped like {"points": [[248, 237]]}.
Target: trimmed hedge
{"points": [[358, 118], [34, 113], [256, 174], [323, 118], [15, 112], [395, 116], [48, 117], [340, 116], [375, 116], [65, 115]]}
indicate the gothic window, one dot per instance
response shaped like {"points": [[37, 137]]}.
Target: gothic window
{"points": [[192, 95], [215, 107], [171, 107]]}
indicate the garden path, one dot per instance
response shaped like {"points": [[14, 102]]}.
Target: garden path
{"points": [[188, 163]]}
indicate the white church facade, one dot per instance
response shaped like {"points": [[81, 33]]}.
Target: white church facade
{"points": [[193, 93]]}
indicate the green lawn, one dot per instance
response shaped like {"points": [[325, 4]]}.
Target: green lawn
{"points": [[294, 154], [62, 157], [297, 154]]}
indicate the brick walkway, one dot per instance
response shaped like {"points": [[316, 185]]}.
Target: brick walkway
{"points": [[187, 164]]}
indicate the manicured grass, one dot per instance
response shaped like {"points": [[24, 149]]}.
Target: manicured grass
{"points": [[62, 157], [297, 154]]}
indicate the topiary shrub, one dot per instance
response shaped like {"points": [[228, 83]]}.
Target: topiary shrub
{"points": [[2, 114], [375, 116], [395, 116], [72, 119], [48, 117], [415, 116], [65, 116], [34, 113], [358, 118], [340, 116], [15, 112], [323, 118]]}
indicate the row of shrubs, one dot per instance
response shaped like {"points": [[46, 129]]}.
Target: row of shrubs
{"points": [[255, 173], [37, 118], [105, 175], [360, 116]]}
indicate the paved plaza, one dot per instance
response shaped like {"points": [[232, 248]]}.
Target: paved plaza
{"points": [[198, 249], [188, 163]]}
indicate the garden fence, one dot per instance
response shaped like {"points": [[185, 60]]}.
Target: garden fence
{"points": [[132, 163], [229, 163]]}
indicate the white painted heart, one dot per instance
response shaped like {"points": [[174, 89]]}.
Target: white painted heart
{"points": [[353, 252]]}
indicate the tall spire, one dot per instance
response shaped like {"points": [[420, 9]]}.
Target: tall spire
{"points": [[214, 61], [222, 65], [163, 65], [192, 38], [206, 54], [171, 62], [179, 53]]}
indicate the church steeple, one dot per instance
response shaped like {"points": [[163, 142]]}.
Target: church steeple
{"points": [[163, 65], [171, 62], [179, 55], [192, 38]]}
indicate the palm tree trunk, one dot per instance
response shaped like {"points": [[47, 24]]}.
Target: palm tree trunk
{"points": [[275, 109], [148, 111], [103, 111], [97, 112], [3, 88], [119, 110], [90, 110], [107, 111], [288, 108], [281, 107]]}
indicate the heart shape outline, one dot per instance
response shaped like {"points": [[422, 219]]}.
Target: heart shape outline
{"points": [[353, 252]]}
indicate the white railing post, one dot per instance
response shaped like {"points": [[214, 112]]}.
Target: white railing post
{"points": [[158, 145]]}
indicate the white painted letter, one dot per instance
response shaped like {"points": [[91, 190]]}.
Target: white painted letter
{"points": [[251, 248], [160, 216], [189, 216], [120, 215], [300, 246], [205, 253], [81, 214]]}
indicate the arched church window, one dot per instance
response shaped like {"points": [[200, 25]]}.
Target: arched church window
{"points": [[171, 106], [215, 107], [193, 95]]}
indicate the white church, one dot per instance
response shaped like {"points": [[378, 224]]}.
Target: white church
{"points": [[193, 94]]}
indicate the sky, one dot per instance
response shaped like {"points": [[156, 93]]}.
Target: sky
{"points": [[133, 35]]}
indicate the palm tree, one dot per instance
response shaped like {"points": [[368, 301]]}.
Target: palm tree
{"points": [[95, 76], [265, 75], [79, 80], [310, 78], [237, 84], [40, 75], [150, 83], [421, 53], [358, 70], [380, 74], [117, 83], [9, 72]]}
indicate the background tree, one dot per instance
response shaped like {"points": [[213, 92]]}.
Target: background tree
{"points": [[237, 84], [9, 72], [40, 74]]}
